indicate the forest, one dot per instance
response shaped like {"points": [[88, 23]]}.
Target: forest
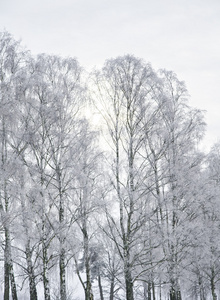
{"points": [[104, 188]]}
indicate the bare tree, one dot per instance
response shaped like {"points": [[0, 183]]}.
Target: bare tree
{"points": [[62, 78], [183, 128], [88, 182], [12, 62], [124, 86]]}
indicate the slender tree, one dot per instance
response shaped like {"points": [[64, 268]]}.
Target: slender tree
{"points": [[124, 86], [12, 62], [88, 202], [183, 128], [62, 78]]}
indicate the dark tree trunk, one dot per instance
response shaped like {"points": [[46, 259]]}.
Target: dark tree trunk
{"points": [[6, 280], [45, 265], [62, 257], [214, 295], [201, 288], [62, 275], [112, 288], [8, 269], [129, 286], [88, 291], [149, 291], [100, 287], [153, 291], [31, 275], [13, 285], [160, 292], [45, 273]]}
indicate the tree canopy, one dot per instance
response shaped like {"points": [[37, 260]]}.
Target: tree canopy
{"points": [[103, 184]]}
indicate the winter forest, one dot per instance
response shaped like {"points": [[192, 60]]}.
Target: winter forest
{"points": [[104, 190]]}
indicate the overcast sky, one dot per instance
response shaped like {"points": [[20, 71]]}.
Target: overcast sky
{"points": [[179, 35]]}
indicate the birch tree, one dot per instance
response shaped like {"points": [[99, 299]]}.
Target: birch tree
{"points": [[205, 264], [183, 129], [53, 100], [88, 182], [63, 84], [12, 62], [124, 86]]}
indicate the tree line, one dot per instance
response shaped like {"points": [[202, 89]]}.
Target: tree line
{"points": [[102, 182]]}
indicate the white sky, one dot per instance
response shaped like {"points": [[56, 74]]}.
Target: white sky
{"points": [[179, 35]]}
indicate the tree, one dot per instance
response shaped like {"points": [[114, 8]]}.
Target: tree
{"points": [[62, 78], [206, 262], [53, 99], [183, 128], [12, 62], [124, 86], [88, 201]]}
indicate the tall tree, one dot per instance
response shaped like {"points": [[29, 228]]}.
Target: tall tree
{"points": [[87, 200], [206, 265], [125, 85], [183, 127], [12, 62], [63, 100]]}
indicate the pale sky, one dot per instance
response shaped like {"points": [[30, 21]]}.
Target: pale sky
{"points": [[178, 35]]}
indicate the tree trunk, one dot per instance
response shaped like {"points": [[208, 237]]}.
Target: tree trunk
{"points": [[160, 292], [88, 291], [127, 267], [62, 257], [201, 288], [62, 275], [30, 268], [6, 278], [145, 288], [13, 285], [153, 291], [45, 273], [9, 272], [149, 291], [214, 295], [112, 288], [129, 285], [100, 287], [31, 276]]}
